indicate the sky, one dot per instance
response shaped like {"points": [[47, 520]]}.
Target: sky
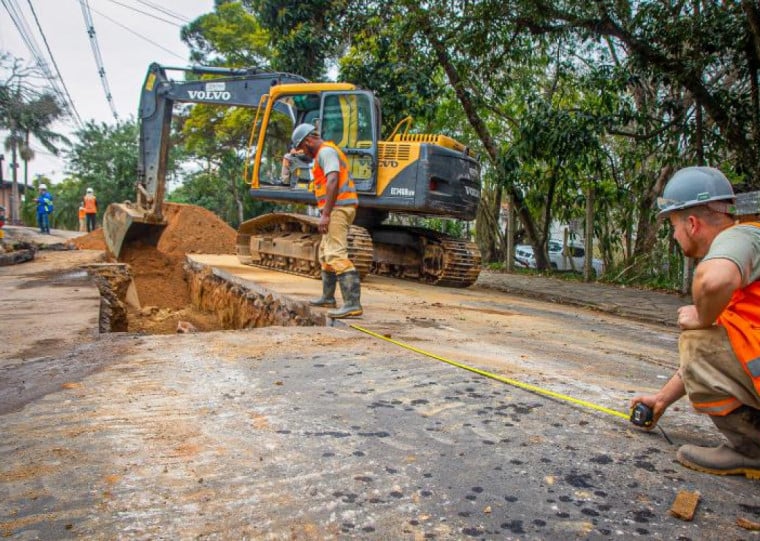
{"points": [[130, 35]]}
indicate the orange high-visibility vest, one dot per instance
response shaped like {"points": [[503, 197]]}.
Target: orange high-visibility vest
{"points": [[741, 319], [81, 212], [90, 205], [346, 190]]}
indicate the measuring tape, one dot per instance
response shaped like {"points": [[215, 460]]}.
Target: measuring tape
{"points": [[497, 377]]}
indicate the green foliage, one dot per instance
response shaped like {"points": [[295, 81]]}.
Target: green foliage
{"points": [[229, 36], [222, 190], [104, 158], [303, 33], [407, 81], [67, 196]]}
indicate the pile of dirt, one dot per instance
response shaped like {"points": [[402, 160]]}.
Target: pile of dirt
{"points": [[158, 269], [90, 241]]}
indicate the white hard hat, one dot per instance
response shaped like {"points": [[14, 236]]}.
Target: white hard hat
{"points": [[43, 187], [89, 190]]}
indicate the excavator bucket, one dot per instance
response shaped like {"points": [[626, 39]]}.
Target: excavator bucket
{"points": [[123, 223]]}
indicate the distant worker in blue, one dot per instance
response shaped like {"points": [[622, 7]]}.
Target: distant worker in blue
{"points": [[44, 209], [337, 201]]}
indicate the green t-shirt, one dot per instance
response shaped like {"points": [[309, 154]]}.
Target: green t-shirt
{"points": [[740, 244]]}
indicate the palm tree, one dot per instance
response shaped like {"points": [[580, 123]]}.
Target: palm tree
{"points": [[36, 118], [25, 113], [25, 117]]}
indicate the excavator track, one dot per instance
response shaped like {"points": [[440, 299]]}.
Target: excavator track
{"points": [[290, 243], [424, 255]]}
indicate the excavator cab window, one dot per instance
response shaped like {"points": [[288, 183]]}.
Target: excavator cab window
{"points": [[349, 120], [286, 113]]}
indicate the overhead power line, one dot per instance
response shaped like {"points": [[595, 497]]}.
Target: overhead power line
{"points": [[144, 13], [19, 21], [68, 100], [96, 52], [165, 11], [139, 35], [27, 36]]}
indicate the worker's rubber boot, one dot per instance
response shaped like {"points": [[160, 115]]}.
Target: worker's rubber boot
{"points": [[350, 289], [329, 280], [741, 456]]}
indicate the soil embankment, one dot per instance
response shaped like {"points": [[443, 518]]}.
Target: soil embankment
{"points": [[158, 270]]}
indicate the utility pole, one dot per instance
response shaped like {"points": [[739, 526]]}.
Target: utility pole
{"points": [[15, 218], [15, 207]]}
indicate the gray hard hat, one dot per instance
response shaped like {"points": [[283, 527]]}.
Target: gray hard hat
{"points": [[694, 186], [301, 132]]}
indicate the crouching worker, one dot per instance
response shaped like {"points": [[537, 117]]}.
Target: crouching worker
{"points": [[337, 201], [719, 347]]}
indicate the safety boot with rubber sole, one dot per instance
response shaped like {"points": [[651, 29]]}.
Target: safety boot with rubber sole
{"points": [[721, 460], [350, 289], [327, 300]]}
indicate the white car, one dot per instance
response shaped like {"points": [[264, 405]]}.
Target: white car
{"points": [[525, 257]]}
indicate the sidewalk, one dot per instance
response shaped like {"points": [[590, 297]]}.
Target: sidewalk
{"points": [[55, 240], [638, 304]]}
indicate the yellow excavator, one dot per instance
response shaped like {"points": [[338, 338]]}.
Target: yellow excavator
{"points": [[405, 174]]}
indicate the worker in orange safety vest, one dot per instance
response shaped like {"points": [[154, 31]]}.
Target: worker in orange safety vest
{"points": [[337, 201], [719, 346], [90, 204]]}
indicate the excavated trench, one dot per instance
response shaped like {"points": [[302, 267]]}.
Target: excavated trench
{"points": [[155, 289]]}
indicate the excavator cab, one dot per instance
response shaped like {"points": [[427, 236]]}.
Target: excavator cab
{"points": [[405, 173], [348, 118]]}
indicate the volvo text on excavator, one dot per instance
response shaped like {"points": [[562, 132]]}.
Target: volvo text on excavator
{"points": [[405, 174]]}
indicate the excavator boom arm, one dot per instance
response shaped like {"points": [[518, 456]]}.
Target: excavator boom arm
{"points": [[233, 87], [144, 219]]}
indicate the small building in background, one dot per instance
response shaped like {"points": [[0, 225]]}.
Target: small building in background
{"points": [[6, 189]]}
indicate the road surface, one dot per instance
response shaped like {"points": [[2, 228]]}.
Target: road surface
{"points": [[330, 433]]}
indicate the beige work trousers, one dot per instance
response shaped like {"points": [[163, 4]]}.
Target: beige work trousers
{"points": [[333, 248], [711, 372]]}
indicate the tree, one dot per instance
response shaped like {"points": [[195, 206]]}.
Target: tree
{"points": [[304, 34], [35, 118], [708, 50], [104, 158], [217, 136], [25, 112], [379, 58], [229, 36], [502, 59]]}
